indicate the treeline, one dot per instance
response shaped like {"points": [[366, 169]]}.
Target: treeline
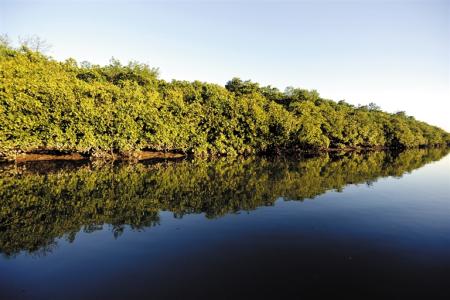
{"points": [[91, 109], [39, 207]]}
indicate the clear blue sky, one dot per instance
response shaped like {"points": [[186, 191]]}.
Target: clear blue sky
{"points": [[394, 53]]}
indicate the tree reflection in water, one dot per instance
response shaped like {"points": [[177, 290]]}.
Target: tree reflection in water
{"points": [[43, 202]]}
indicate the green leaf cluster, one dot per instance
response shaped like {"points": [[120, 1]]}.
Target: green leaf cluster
{"points": [[80, 107]]}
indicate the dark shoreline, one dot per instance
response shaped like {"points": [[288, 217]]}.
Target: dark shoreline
{"points": [[50, 155], [135, 156]]}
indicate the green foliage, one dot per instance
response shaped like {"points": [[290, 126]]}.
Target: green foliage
{"points": [[66, 106]]}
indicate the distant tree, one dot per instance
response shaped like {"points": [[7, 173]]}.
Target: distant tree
{"points": [[374, 107], [240, 87], [35, 43], [5, 41]]}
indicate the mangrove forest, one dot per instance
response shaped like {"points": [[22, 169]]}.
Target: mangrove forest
{"points": [[68, 107]]}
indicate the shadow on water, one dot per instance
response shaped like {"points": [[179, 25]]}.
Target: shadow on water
{"points": [[42, 202]]}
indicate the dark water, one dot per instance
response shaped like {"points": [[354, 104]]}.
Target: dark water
{"points": [[357, 225]]}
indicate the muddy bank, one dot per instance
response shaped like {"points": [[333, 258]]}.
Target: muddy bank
{"points": [[52, 155], [55, 156]]}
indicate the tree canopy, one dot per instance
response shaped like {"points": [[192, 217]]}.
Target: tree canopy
{"points": [[92, 109]]}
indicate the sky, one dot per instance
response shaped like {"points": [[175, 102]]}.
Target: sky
{"points": [[394, 53]]}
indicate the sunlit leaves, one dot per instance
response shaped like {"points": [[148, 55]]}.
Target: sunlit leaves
{"points": [[66, 106]]}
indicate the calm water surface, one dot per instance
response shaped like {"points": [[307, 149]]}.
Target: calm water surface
{"points": [[375, 224]]}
